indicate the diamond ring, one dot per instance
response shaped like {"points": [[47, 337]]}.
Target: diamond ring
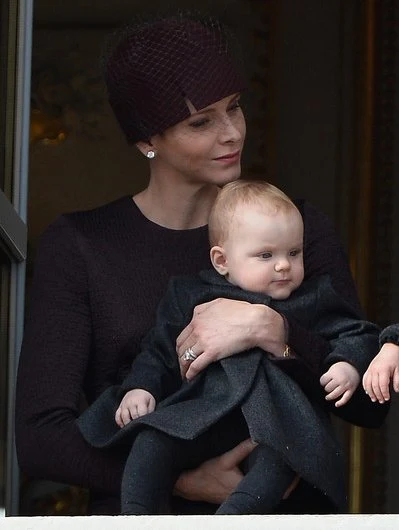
{"points": [[189, 355]]}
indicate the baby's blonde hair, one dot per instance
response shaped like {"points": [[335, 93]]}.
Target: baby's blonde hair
{"points": [[243, 193]]}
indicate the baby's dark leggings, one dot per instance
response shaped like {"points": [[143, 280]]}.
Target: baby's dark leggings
{"points": [[157, 459]]}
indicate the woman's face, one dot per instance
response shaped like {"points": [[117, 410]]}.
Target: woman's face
{"points": [[204, 148]]}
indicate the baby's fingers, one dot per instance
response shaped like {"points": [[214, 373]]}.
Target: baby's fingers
{"points": [[395, 380], [123, 416], [371, 385], [142, 409], [383, 388], [368, 386], [325, 379], [334, 394], [380, 384], [128, 414], [118, 418], [345, 398], [145, 407], [376, 386], [151, 404]]}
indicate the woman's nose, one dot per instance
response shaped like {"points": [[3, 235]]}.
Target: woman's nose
{"points": [[231, 130]]}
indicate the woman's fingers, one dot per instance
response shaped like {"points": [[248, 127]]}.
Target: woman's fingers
{"points": [[182, 340], [195, 367], [186, 359], [235, 456]]}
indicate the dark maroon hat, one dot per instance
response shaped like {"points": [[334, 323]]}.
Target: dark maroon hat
{"points": [[157, 65]]}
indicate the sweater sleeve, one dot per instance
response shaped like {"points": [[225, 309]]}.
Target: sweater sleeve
{"points": [[323, 254], [352, 339], [156, 368], [52, 368]]}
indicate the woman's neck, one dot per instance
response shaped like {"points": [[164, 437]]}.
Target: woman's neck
{"points": [[180, 207]]}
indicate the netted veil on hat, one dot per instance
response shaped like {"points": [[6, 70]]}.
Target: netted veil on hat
{"points": [[157, 65]]}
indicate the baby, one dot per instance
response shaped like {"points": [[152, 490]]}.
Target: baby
{"points": [[256, 235]]}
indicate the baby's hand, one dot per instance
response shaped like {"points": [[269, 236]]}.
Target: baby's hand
{"points": [[383, 368], [136, 403], [340, 381]]}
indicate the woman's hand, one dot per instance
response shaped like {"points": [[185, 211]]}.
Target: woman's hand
{"points": [[224, 327], [214, 480], [383, 370]]}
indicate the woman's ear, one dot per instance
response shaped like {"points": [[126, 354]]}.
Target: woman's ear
{"points": [[219, 260], [145, 148]]}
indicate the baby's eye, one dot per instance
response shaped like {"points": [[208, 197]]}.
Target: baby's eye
{"points": [[266, 255], [295, 252]]}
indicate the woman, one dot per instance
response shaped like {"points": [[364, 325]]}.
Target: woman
{"points": [[99, 275]]}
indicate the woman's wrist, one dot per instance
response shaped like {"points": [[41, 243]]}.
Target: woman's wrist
{"points": [[270, 331], [200, 486]]}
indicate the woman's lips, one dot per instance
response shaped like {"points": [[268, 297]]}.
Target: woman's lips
{"points": [[230, 158]]}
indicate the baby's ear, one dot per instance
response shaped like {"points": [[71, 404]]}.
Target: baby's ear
{"points": [[219, 260]]}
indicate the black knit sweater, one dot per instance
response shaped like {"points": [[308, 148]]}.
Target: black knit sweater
{"points": [[99, 276]]}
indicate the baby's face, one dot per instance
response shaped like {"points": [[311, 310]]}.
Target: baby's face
{"points": [[264, 252]]}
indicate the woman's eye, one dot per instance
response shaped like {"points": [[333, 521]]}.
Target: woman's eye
{"points": [[235, 106], [199, 123]]}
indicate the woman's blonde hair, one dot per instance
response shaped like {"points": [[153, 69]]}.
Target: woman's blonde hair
{"points": [[256, 193]]}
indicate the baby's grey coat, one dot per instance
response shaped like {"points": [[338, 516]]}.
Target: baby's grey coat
{"points": [[390, 334], [277, 411]]}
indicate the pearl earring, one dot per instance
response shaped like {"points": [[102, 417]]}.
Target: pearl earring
{"points": [[150, 154]]}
